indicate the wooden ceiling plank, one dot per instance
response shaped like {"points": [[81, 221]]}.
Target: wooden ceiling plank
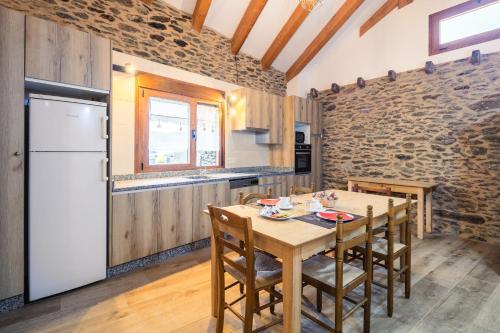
{"points": [[200, 14], [328, 31], [385, 9], [246, 24], [284, 36]]}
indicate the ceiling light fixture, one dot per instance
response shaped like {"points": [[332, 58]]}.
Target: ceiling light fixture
{"points": [[309, 5]]}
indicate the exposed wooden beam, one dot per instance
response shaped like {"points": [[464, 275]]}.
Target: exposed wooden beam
{"points": [[247, 22], [382, 12], [286, 32], [403, 3], [328, 31], [200, 13]]}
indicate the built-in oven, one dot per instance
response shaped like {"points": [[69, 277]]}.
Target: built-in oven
{"points": [[302, 159]]}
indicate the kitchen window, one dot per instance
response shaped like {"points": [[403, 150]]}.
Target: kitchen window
{"points": [[178, 131], [469, 23]]}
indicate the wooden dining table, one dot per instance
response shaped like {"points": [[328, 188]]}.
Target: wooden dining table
{"points": [[294, 241]]}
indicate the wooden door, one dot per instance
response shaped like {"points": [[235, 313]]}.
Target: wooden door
{"points": [[43, 60], [216, 194], [11, 153], [134, 230], [100, 62], [175, 217]]}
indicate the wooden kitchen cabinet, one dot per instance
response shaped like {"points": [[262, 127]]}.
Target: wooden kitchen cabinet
{"points": [[212, 193], [134, 229], [271, 182], [283, 154], [275, 115], [300, 109], [12, 161], [57, 53], [175, 217], [304, 180]]}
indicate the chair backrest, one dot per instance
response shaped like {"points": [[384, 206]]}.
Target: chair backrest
{"points": [[244, 199], [297, 190], [372, 190], [342, 245], [225, 223], [394, 219]]}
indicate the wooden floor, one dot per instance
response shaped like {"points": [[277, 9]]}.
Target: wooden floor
{"points": [[456, 288]]}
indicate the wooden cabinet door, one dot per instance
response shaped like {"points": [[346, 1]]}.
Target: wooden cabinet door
{"points": [[74, 54], [43, 59], [11, 153], [271, 182], [300, 109], [100, 62], [276, 119], [256, 109], [235, 193], [175, 217], [215, 194], [315, 111], [134, 229], [303, 180]]}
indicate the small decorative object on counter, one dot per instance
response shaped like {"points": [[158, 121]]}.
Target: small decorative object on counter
{"points": [[335, 88], [326, 199], [314, 93]]}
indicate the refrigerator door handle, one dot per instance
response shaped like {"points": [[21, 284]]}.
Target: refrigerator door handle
{"points": [[104, 170], [104, 127]]}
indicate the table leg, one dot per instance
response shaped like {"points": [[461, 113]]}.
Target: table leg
{"points": [[420, 213], [292, 290], [428, 211], [213, 280]]}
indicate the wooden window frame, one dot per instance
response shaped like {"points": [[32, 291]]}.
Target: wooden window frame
{"points": [[436, 48], [149, 85]]}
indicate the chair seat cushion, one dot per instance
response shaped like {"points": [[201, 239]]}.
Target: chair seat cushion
{"points": [[267, 270], [322, 268], [380, 246]]}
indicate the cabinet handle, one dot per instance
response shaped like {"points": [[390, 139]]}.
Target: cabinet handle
{"points": [[17, 153], [104, 127], [104, 171]]}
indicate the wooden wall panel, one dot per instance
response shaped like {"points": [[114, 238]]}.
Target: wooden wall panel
{"points": [[11, 153]]}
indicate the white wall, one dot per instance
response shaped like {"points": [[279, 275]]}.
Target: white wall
{"points": [[399, 42], [241, 149]]}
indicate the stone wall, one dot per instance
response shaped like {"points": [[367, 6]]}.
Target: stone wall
{"points": [[159, 33], [443, 127]]}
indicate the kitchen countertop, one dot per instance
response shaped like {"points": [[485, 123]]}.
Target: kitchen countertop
{"points": [[154, 181]]}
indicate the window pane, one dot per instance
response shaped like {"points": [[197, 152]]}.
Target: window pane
{"points": [[468, 24], [208, 135], [169, 132]]}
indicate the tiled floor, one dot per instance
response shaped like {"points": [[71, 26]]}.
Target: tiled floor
{"points": [[456, 288]]}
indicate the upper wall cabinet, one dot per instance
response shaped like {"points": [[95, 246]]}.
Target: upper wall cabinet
{"points": [[255, 110], [61, 54]]}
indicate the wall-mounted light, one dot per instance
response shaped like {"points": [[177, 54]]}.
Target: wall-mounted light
{"points": [[128, 68], [232, 111], [232, 98]]}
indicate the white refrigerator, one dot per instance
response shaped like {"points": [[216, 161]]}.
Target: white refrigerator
{"points": [[67, 194]]}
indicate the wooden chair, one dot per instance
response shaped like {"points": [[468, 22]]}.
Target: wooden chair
{"points": [[387, 251], [256, 270], [244, 199], [297, 190], [333, 276]]}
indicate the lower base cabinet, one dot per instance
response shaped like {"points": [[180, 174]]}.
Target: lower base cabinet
{"points": [[145, 223], [305, 181]]}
